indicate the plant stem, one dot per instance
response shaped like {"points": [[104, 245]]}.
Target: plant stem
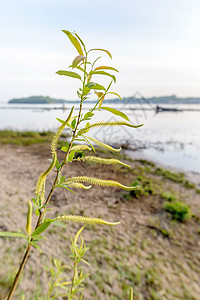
{"points": [[21, 267], [15, 282]]}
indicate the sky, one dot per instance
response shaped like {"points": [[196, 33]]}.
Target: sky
{"points": [[155, 45]]}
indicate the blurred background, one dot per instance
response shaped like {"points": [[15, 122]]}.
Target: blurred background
{"points": [[155, 46]]}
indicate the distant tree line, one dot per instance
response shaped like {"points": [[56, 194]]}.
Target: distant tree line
{"points": [[173, 99]]}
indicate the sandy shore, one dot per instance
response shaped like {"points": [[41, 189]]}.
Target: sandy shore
{"points": [[148, 250]]}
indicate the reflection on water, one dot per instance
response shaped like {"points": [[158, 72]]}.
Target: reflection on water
{"points": [[169, 137]]}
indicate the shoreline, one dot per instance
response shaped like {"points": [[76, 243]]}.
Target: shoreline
{"points": [[26, 138], [190, 175]]}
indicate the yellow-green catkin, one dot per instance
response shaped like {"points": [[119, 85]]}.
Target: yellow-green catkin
{"points": [[56, 137], [84, 220], [29, 218], [81, 148], [103, 124], [78, 185], [40, 186], [99, 160], [100, 182]]}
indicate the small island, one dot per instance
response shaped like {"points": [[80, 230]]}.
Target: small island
{"points": [[37, 100], [135, 99]]}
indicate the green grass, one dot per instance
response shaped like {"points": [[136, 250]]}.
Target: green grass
{"points": [[171, 197], [179, 210], [26, 138], [173, 176]]}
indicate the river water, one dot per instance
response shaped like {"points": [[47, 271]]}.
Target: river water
{"points": [[171, 138]]}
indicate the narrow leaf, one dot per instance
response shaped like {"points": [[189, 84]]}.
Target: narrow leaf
{"points": [[101, 50], [103, 73], [116, 112], [85, 138], [58, 223], [77, 61], [106, 68], [79, 39], [73, 123], [101, 97], [37, 247], [41, 228], [70, 156], [57, 164], [115, 94], [69, 73], [59, 120], [74, 41], [65, 187], [12, 234], [81, 69], [86, 90], [87, 116], [64, 149], [95, 86]]}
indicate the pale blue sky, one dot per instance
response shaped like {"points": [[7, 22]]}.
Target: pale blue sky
{"points": [[155, 44]]}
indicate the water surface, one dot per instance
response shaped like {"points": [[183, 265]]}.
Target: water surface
{"points": [[172, 138]]}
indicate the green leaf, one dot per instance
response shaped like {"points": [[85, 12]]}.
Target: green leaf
{"points": [[115, 94], [87, 116], [41, 228], [69, 73], [77, 61], [64, 186], [106, 68], [36, 246], [103, 73], [70, 156], [38, 237], [59, 120], [59, 223], [12, 234], [73, 123], [57, 164], [95, 86], [64, 149], [101, 50], [81, 69], [74, 41], [79, 39], [115, 112], [89, 143], [86, 90]]}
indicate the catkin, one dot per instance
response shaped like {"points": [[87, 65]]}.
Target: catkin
{"points": [[29, 218], [56, 137], [100, 182], [99, 160], [40, 186], [103, 124], [84, 220], [78, 185], [80, 148]]}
